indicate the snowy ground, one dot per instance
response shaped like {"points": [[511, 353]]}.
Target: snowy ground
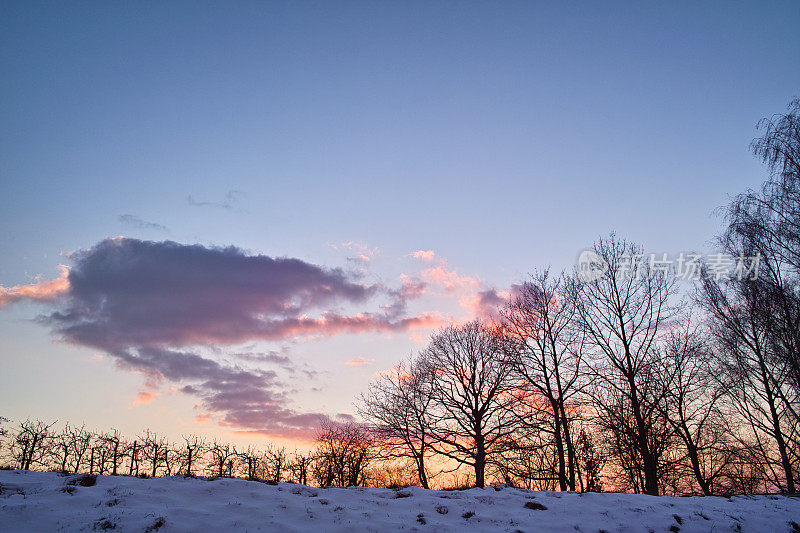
{"points": [[35, 501]]}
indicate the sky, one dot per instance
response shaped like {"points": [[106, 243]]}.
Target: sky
{"points": [[227, 218]]}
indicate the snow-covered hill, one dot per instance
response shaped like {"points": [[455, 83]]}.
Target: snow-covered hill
{"points": [[35, 501]]}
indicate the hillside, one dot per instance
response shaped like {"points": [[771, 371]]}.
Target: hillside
{"points": [[36, 501]]}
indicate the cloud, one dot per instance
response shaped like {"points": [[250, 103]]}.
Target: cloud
{"points": [[145, 397], [278, 358], [163, 309], [136, 222], [487, 303], [443, 276], [359, 361], [272, 356], [423, 255], [132, 292], [363, 253], [230, 203], [411, 289], [44, 291], [475, 296]]}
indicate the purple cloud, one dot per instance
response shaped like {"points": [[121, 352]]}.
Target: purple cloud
{"points": [[160, 308]]}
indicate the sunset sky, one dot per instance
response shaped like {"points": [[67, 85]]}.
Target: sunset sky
{"points": [[226, 219]]}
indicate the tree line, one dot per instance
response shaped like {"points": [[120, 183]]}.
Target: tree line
{"points": [[621, 379], [341, 456]]}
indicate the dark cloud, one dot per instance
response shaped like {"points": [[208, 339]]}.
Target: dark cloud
{"points": [[161, 307], [487, 303], [252, 399], [265, 357]]}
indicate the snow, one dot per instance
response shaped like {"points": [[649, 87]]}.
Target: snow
{"points": [[44, 501]]}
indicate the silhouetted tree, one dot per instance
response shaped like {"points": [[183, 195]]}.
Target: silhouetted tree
{"points": [[275, 462], [622, 312], [692, 404], [544, 351], [191, 453], [343, 451], [152, 450], [298, 467], [31, 443], [398, 409], [221, 456], [472, 395], [755, 314]]}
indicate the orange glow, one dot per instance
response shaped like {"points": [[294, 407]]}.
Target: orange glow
{"points": [[449, 279], [359, 361], [40, 290], [203, 418], [145, 397]]}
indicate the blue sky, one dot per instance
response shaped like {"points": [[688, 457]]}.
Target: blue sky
{"points": [[504, 136]]}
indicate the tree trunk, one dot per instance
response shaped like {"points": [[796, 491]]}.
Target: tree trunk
{"points": [[480, 463], [562, 470]]}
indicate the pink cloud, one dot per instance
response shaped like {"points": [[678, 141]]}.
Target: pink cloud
{"points": [[40, 290], [145, 397], [203, 418], [423, 255], [475, 296], [448, 278]]}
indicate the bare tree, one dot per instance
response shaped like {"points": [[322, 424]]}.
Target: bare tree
{"points": [[767, 222], [134, 453], [298, 467], [171, 459], [754, 378], [621, 312], [3, 433], [398, 408], [191, 453], [221, 457], [253, 462], [275, 462], [472, 395], [342, 454], [590, 461], [528, 461], [692, 404], [756, 314], [544, 351], [61, 448], [115, 447], [152, 450], [31, 444], [80, 444]]}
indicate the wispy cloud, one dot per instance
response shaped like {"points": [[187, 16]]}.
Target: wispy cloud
{"points": [[423, 255], [136, 222], [362, 252], [230, 203], [359, 361]]}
